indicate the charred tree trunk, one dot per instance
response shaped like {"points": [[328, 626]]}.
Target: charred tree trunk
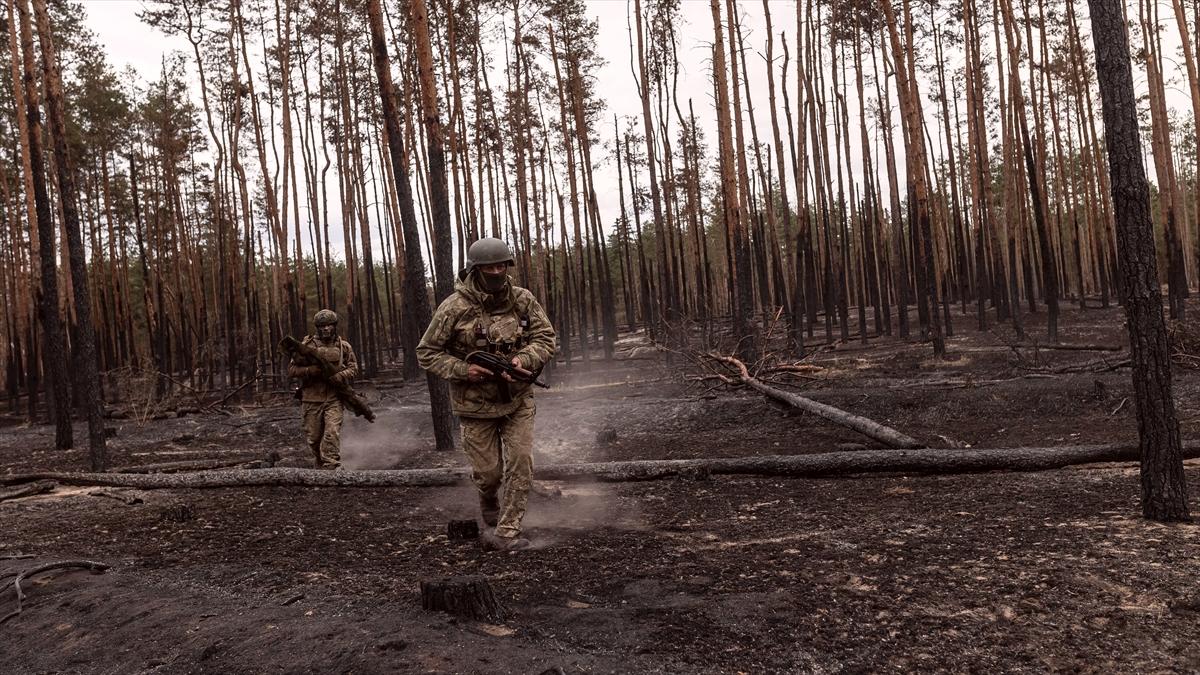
{"points": [[468, 597], [1164, 491], [86, 366], [54, 352], [439, 199], [417, 292]]}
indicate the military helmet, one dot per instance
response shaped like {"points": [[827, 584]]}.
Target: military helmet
{"points": [[488, 251], [325, 317]]}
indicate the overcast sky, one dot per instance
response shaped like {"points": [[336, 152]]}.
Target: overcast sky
{"points": [[128, 41]]}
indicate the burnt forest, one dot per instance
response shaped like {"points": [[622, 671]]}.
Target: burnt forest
{"points": [[866, 327]]}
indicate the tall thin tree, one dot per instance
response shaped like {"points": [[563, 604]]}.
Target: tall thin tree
{"points": [[1164, 490], [414, 279]]}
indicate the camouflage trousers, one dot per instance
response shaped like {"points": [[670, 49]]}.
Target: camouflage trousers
{"points": [[501, 453], [323, 431]]}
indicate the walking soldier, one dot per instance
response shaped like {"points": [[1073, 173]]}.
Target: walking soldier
{"points": [[487, 313]]}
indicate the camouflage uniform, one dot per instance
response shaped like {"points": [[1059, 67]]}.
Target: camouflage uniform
{"points": [[497, 436], [322, 408]]}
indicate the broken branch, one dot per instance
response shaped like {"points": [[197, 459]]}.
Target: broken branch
{"points": [[62, 564], [862, 425]]}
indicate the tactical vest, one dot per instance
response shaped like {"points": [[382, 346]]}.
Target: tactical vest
{"points": [[499, 334]]}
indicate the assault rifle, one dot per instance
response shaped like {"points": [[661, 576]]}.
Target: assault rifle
{"points": [[500, 365], [306, 355]]}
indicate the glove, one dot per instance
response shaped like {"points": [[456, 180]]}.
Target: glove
{"points": [[312, 371], [340, 377]]}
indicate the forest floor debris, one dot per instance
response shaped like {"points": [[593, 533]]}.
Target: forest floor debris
{"points": [[987, 572]]}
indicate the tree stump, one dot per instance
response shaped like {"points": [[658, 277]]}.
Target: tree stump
{"points": [[178, 513], [468, 597], [462, 530]]}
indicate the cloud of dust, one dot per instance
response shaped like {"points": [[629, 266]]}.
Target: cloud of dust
{"points": [[582, 407], [583, 412], [580, 508], [399, 432]]}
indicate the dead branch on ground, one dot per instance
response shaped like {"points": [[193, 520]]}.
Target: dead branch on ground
{"points": [[1079, 348], [90, 565], [862, 425], [219, 405]]}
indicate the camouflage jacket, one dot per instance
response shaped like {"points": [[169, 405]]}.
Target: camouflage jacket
{"points": [[314, 389], [471, 319]]}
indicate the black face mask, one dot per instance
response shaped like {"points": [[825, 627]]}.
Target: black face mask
{"points": [[326, 332], [493, 283]]}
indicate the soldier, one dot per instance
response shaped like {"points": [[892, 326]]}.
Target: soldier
{"points": [[487, 312], [322, 407]]}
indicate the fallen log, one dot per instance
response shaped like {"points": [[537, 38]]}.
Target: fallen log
{"points": [[266, 460], [29, 490], [823, 465], [867, 427], [1077, 348], [1047, 346], [1096, 366]]}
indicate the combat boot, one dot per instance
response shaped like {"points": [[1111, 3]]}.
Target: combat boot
{"points": [[489, 507], [494, 542]]}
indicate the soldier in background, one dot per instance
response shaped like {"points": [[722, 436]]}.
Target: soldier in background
{"points": [[323, 409], [487, 312]]}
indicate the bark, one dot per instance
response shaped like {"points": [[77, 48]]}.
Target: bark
{"points": [[910, 104], [86, 367], [54, 353], [28, 293], [731, 205], [1164, 491], [417, 293], [468, 597], [443, 261], [1189, 59]]}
